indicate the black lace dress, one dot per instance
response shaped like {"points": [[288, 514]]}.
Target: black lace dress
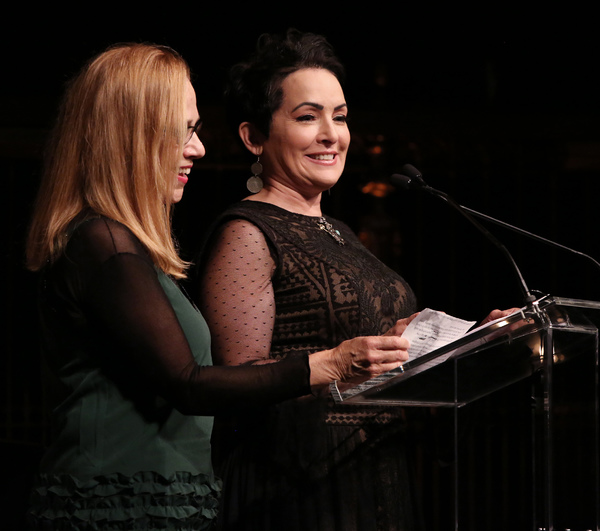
{"points": [[277, 284]]}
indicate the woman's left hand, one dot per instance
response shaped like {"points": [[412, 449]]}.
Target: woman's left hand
{"points": [[498, 314], [400, 326]]}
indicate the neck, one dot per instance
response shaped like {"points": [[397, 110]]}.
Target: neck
{"points": [[289, 199]]}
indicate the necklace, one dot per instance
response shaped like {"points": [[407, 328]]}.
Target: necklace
{"points": [[328, 228]]}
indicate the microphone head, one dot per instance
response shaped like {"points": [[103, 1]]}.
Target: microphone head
{"points": [[409, 179], [402, 181], [412, 172]]}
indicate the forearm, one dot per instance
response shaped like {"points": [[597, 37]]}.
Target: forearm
{"points": [[216, 390]]}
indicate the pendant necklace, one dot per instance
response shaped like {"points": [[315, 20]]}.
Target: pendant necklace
{"points": [[328, 228]]}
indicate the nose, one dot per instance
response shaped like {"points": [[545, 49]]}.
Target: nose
{"points": [[328, 134], [194, 149]]}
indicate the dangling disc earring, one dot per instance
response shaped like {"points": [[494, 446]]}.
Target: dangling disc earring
{"points": [[254, 183]]}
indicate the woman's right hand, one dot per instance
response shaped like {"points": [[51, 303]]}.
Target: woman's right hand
{"points": [[360, 358]]}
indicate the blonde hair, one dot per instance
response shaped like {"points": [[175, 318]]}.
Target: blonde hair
{"points": [[114, 152]]}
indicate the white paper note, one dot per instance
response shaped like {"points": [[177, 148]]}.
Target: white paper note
{"points": [[432, 329]]}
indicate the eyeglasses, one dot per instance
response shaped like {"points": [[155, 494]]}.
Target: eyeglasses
{"points": [[193, 129]]}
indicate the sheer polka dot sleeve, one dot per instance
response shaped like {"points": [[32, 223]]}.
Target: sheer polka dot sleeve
{"points": [[236, 295]]}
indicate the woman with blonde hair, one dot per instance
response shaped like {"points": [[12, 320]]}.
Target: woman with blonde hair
{"points": [[130, 355]]}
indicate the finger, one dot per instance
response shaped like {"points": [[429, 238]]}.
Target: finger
{"points": [[383, 368], [409, 319], [388, 356], [391, 342]]}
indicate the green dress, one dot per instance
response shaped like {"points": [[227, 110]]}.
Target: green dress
{"points": [[135, 392]]}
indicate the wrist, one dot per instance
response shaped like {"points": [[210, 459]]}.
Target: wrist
{"points": [[322, 371]]}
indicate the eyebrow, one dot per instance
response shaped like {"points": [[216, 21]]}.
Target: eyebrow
{"points": [[317, 106]]}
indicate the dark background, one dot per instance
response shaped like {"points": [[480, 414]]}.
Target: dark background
{"points": [[496, 106]]}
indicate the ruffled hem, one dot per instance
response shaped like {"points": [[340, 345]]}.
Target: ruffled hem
{"points": [[146, 500]]}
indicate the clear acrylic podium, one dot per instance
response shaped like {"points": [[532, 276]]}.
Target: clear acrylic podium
{"points": [[550, 349]]}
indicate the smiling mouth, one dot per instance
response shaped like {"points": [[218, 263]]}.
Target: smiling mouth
{"points": [[182, 176], [329, 156]]}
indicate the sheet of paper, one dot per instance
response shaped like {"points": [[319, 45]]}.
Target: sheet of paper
{"points": [[432, 329]]}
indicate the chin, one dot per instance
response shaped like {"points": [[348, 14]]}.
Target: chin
{"points": [[328, 184]]}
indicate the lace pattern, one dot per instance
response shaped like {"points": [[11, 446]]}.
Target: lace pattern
{"points": [[282, 287]]}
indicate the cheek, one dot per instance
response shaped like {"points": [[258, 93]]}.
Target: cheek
{"points": [[297, 138], [345, 138], [288, 148], [288, 153]]}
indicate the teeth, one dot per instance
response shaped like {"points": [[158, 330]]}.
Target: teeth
{"points": [[184, 171], [324, 157]]}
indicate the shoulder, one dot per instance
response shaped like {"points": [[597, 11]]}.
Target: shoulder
{"points": [[237, 239], [252, 211], [244, 221], [100, 238], [257, 211], [241, 229], [241, 238]]}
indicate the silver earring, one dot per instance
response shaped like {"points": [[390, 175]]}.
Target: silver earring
{"points": [[254, 183]]}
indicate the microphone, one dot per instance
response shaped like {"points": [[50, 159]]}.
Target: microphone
{"points": [[523, 232], [411, 179], [416, 182]]}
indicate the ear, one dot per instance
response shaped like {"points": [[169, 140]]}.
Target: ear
{"points": [[251, 137]]}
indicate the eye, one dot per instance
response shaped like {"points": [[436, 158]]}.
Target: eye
{"points": [[193, 129], [342, 118], [305, 118]]}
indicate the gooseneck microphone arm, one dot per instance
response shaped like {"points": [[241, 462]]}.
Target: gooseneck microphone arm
{"points": [[411, 179], [528, 234]]}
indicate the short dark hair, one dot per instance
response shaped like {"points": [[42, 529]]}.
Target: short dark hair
{"points": [[254, 92]]}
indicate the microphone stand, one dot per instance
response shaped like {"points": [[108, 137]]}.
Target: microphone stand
{"points": [[544, 479], [528, 234], [414, 175]]}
